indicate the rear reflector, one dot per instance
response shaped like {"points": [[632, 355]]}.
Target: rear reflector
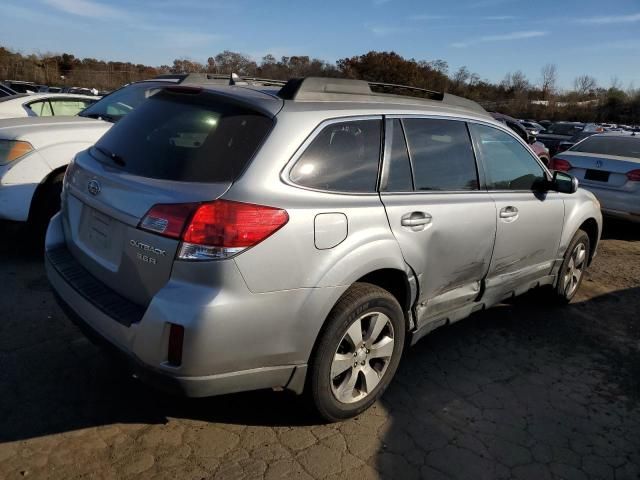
{"points": [[634, 175], [176, 339], [560, 164], [214, 230]]}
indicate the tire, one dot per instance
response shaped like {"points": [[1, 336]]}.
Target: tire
{"points": [[46, 203], [350, 368], [573, 268]]}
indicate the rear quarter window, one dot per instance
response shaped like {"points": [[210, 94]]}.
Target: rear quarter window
{"points": [[185, 137], [343, 157]]}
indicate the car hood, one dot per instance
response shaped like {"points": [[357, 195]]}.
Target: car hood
{"points": [[44, 131]]}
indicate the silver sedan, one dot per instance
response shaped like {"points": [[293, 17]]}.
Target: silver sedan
{"points": [[608, 164]]}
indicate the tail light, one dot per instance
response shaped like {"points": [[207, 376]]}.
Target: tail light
{"points": [[214, 230], [634, 175], [176, 339], [560, 164]]}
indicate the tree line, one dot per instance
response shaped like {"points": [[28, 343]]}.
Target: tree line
{"points": [[515, 95]]}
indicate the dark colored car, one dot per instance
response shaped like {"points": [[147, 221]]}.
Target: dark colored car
{"points": [[6, 91], [515, 125], [22, 87], [545, 123], [559, 132]]}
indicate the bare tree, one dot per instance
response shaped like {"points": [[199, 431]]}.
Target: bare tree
{"points": [[584, 84], [549, 79], [516, 82]]}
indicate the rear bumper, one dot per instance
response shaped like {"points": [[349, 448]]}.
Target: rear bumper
{"points": [[234, 340], [287, 376], [615, 203]]}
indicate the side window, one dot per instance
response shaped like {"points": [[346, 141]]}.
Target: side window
{"points": [[343, 157], [508, 164], [62, 107], [40, 109], [397, 165], [441, 155]]}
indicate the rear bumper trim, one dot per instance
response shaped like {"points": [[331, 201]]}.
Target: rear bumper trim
{"points": [[95, 292]]}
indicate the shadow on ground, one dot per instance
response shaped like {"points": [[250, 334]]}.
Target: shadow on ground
{"points": [[522, 390]]}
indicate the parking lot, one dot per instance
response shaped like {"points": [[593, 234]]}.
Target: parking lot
{"points": [[525, 390]]}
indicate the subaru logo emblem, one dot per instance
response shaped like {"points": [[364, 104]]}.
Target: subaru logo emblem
{"points": [[599, 163], [94, 187]]}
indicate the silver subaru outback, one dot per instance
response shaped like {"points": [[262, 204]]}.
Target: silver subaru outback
{"points": [[240, 237]]}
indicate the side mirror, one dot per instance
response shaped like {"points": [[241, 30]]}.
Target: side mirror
{"points": [[531, 139], [564, 183]]}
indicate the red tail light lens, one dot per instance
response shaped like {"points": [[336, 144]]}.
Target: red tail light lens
{"points": [[214, 230], [176, 340], [233, 224], [560, 164], [634, 175]]}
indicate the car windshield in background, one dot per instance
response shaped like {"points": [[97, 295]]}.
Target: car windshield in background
{"points": [[563, 129], [609, 145], [121, 102], [185, 137]]}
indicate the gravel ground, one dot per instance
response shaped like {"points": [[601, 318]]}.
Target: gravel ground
{"points": [[524, 390]]}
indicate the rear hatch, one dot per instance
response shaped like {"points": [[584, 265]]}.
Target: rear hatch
{"points": [[182, 146]]}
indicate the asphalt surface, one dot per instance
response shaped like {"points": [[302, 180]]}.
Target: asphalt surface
{"points": [[524, 390]]}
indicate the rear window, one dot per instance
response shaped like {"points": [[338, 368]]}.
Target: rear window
{"points": [[185, 137], [617, 146]]}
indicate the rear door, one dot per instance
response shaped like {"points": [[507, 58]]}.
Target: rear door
{"points": [[445, 224], [529, 223], [180, 146]]}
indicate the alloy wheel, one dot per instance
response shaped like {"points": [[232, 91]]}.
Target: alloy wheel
{"points": [[362, 357]]}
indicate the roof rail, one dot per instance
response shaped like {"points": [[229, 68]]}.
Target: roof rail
{"points": [[218, 79], [323, 89]]}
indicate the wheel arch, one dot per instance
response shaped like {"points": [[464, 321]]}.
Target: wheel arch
{"points": [[590, 226], [40, 189]]}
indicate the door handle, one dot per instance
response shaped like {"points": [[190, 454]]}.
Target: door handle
{"points": [[508, 212], [415, 219]]}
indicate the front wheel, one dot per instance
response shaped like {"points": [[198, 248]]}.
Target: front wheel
{"points": [[573, 267], [358, 352]]}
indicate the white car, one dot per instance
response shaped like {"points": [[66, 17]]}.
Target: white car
{"points": [[35, 151], [44, 104]]}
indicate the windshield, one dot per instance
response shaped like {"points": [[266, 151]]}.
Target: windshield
{"points": [[604, 145], [563, 129], [121, 102]]}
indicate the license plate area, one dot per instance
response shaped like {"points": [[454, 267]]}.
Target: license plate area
{"points": [[98, 229], [596, 176]]}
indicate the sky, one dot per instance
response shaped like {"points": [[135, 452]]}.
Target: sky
{"points": [[490, 37]]}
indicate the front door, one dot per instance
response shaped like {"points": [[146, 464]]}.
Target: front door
{"points": [[529, 220]]}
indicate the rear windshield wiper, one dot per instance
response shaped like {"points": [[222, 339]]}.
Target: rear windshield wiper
{"points": [[100, 116], [117, 159]]}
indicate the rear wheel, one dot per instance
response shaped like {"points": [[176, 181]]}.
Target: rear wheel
{"points": [[573, 267], [358, 352]]}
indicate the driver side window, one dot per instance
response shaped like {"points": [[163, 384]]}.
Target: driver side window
{"points": [[508, 165]]}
